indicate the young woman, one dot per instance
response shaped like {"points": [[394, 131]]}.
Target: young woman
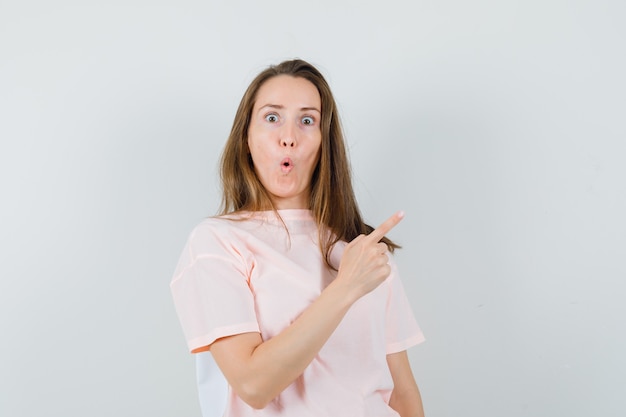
{"points": [[297, 299]]}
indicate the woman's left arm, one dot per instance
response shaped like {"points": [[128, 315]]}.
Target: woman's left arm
{"points": [[405, 397]]}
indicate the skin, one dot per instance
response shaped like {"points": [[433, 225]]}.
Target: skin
{"points": [[284, 129], [405, 397], [285, 124]]}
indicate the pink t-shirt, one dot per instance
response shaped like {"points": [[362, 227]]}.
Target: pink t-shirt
{"points": [[237, 276]]}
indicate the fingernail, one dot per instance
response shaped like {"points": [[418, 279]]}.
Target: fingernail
{"points": [[401, 214]]}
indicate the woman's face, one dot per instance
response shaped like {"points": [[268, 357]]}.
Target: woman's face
{"points": [[284, 138]]}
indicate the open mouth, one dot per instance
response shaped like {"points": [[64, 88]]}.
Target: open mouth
{"points": [[286, 165]]}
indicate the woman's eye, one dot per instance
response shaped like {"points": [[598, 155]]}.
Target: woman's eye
{"points": [[307, 120], [272, 118]]}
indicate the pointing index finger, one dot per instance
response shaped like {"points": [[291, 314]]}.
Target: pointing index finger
{"points": [[386, 226]]}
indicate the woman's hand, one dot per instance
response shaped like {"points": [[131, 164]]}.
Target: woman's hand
{"points": [[364, 264]]}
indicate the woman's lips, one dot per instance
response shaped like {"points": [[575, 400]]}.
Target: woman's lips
{"points": [[286, 165]]}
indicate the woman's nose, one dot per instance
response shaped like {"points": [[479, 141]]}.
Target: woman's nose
{"points": [[288, 142], [288, 137]]}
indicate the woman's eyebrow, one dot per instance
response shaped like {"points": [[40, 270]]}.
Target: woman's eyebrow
{"points": [[280, 107], [272, 106], [311, 108]]}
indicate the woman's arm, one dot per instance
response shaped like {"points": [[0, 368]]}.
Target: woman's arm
{"points": [[405, 397], [259, 370]]}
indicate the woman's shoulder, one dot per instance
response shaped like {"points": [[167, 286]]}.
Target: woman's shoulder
{"points": [[215, 235], [259, 226], [232, 225], [218, 225]]}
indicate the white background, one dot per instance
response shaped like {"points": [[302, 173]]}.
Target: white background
{"points": [[498, 126]]}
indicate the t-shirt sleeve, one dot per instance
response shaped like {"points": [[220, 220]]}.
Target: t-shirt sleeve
{"points": [[210, 288], [402, 330]]}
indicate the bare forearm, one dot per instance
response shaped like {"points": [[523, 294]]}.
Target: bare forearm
{"points": [[276, 363], [407, 404], [284, 357], [405, 397]]}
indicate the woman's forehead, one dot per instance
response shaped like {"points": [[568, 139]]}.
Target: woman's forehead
{"points": [[288, 91]]}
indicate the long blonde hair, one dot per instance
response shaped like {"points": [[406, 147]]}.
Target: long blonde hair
{"points": [[332, 199]]}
